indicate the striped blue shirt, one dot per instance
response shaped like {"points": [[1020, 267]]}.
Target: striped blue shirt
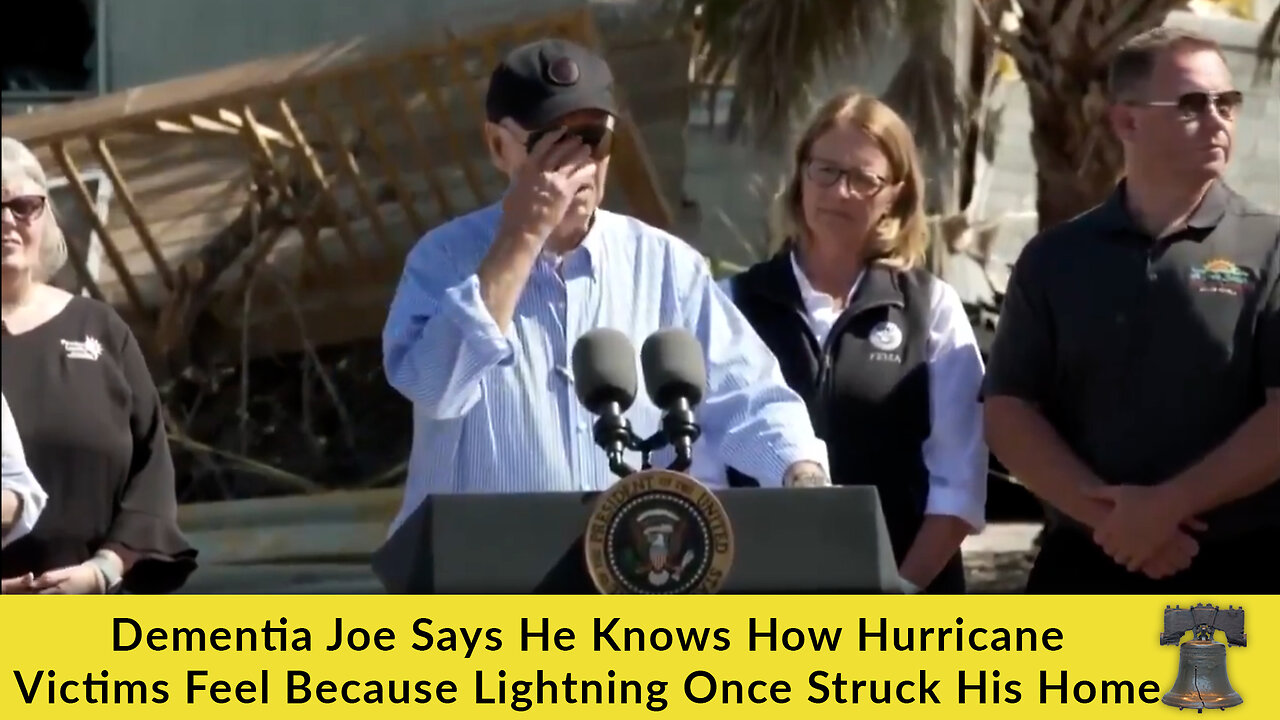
{"points": [[497, 412]]}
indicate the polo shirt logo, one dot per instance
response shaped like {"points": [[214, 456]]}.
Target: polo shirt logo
{"points": [[1220, 276], [87, 349]]}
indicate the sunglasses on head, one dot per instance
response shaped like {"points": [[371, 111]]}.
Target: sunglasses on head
{"points": [[24, 207], [597, 137], [1195, 104]]}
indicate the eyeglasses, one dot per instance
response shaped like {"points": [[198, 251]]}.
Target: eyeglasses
{"points": [[1195, 104], [859, 182], [598, 137], [24, 207]]}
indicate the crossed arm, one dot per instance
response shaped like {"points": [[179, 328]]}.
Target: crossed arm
{"points": [[1143, 528]]}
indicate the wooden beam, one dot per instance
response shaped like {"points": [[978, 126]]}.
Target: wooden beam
{"points": [[430, 86], [312, 164], [76, 182], [259, 79], [310, 236], [121, 190], [416, 145], [349, 168]]}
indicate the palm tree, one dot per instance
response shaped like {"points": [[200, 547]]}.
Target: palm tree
{"points": [[775, 49], [1268, 48]]}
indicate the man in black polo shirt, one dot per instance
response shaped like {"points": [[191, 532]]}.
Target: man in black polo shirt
{"points": [[1134, 381]]}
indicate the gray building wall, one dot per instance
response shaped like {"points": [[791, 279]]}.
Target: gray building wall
{"points": [[153, 40]]}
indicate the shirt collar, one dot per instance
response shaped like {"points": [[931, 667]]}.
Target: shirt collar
{"points": [[590, 251], [812, 298], [1213, 207]]}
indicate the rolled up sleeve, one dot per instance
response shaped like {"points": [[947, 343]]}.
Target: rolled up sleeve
{"points": [[758, 424], [440, 338], [955, 453], [19, 480]]}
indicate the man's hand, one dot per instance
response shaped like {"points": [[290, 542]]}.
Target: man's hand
{"points": [[17, 585], [1172, 557], [1142, 519], [544, 187], [82, 579], [806, 474]]}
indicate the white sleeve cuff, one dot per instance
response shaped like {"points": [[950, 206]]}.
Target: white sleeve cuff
{"points": [[811, 450], [947, 500]]}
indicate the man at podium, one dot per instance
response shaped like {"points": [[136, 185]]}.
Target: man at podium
{"points": [[481, 330]]}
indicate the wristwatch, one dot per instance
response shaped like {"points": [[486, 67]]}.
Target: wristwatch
{"points": [[111, 578]]}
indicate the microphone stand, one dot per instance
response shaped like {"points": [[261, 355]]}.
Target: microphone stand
{"points": [[613, 433], [682, 431]]}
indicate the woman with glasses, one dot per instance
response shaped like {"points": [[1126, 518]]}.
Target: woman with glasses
{"points": [[882, 352], [89, 416]]}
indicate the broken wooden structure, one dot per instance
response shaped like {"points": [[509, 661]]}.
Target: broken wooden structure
{"points": [[269, 206]]}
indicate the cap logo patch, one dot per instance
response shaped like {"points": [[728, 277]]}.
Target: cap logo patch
{"points": [[563, 71]]}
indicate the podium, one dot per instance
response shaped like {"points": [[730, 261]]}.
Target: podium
{"points": [[826, 540]]}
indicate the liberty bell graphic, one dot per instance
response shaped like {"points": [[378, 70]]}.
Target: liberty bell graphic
{"points": [[1202, 661]]}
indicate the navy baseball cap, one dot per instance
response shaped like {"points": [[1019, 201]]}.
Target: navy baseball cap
{"points": [[548, 79]]}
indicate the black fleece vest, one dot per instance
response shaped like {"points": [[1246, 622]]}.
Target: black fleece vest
{"points": [[867, 389]]}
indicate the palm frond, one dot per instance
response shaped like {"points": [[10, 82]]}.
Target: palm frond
{"points": [[775, 50], [1268, 51]]}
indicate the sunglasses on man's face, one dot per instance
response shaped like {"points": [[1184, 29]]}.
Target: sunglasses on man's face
{"points": [[24, 207], [597, 137], [1195, 104]]}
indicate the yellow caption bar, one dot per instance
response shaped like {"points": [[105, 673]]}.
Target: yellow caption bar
{"points": [[615, 657]]}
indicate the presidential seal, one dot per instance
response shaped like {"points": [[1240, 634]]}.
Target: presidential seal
{"points": [[658, 532]]}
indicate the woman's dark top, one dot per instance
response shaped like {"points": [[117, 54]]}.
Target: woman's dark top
{"points": [[867, 399], [93, 430]]}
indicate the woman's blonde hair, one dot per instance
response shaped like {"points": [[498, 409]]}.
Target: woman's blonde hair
{"points": [[20, 164], [901, 238]]}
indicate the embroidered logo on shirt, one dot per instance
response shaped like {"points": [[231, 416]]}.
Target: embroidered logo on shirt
{"points": [[87, 349], [886, 336], [1220, 276]]}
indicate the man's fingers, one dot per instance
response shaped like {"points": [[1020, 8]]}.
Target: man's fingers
{"points": [[1101, 492], [582, 175], [566, 153], [1185, 544], [49, 579], [17, 584], [1195, 524], [1170, 561], [541, 148]]}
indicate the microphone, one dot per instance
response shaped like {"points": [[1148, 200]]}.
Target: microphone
{"points": [[675, 376], [604, 377]]}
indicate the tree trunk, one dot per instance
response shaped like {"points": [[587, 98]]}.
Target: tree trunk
{"points": [[1062, 50], [1078, 159]]}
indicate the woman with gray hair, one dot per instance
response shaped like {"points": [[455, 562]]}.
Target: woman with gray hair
{"points": [[89, 416]]}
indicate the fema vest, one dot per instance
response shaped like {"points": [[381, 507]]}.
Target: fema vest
{"points": [[867, 388]]}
